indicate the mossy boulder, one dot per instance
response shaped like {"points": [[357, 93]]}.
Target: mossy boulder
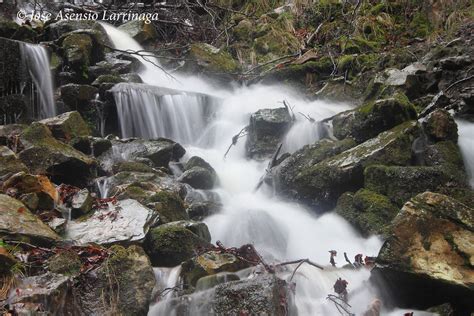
{"points": [[169, 205], [287, 171], [131, 166], [139, 30], [212, 60], [210, 263], [67, 126], [373, 118], [122, 284], [198, 228], [89, 145], [17, 222], [440, 125], [66, 262], [43, 154], [321, 184], [266, 130], [170, 245], [9, 162], [78, 51], [368, 211], [77, 96], [429, 256], [199, 178], [62, 27]]}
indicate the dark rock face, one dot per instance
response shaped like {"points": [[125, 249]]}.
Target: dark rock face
{"points": [[9, 162], [170, 245], [368, 211], [321, 184], [199, 174], [77, 96], [373, 118], [122, 284], [262, 295], [266, 130], [67, 126], [428, 257], [43, 154], [440, 126]]}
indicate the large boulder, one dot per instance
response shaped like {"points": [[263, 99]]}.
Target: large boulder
{"points": [[368, 211], [429, 256], [9, 162], [198, 228], [211, 60], [210, 263], [373, 118], [43, 154], [266, 130], [77, 96], [17, 222], [158, 151], [140, 30], [124, 222], [170, 245], [62, 27], [262, 295], [122, 284], [46, 292], [78, 51], [198, 178], [67, 126], [320, 185], [440, 126]]}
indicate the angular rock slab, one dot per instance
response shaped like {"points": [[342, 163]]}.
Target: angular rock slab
{"points": [[16, 221], [429, 257], [128, 221]]}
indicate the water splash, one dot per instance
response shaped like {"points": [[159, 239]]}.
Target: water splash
{"points": [[37, 61]]}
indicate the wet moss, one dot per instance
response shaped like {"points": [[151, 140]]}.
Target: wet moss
{"points": [[213, 59], [66, 262]]}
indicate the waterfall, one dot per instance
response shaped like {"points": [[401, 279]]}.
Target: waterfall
{"points": [[466, 144], [147, 112], [36, 59], [280, 230]]}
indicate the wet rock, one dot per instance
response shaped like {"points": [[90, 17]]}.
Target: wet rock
{"points": [[210, 263], [78, 51], [210, 281], [266, 130], [131, 166], [368, 211], [94, 146], [12, 106], [286, 172], [18, 223], [67, 126], [127, 221], [9, 162], [321, 184], [455, 62], [199, 178], [402, 183], [46, 292], [198, 228], [43, 154], [440, 126], [442, 310], [36, 189], [429, 256], [58, 225], [262, 295], [139, 30], [373, 118], [209, 59], [77, 96], [81, 203], [123, 284], [62, 27], [160, 151], [200, 210], [66, 262], [170, 245]]}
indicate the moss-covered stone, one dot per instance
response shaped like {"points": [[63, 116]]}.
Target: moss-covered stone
{"points": [[368, 211], [66, 262], [67, 126], [212, 59], [373, 118], [139, 30], [78, 51], [440, 125], [131, 166], [9, 162], [171, 245]]}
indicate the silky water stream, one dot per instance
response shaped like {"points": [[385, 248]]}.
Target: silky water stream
{"points": [[279, 230]]}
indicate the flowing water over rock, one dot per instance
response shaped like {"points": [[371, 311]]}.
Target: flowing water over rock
{"points": [[37, 60], [466, 144], [281, 231]]}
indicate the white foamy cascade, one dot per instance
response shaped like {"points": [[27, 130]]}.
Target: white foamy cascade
{"points": [[466, 144], [37, 61], [280, 230]]}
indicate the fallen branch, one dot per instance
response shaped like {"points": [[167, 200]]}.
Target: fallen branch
{"points": [[271, 164], [235, 138], [458, 82], [337, 301]]}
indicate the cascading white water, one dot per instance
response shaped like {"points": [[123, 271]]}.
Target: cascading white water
{"points": [[37, 61], [280, 230], [466, 144]]}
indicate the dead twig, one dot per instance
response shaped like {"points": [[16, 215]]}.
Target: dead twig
{"points": [[235, 138]]}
